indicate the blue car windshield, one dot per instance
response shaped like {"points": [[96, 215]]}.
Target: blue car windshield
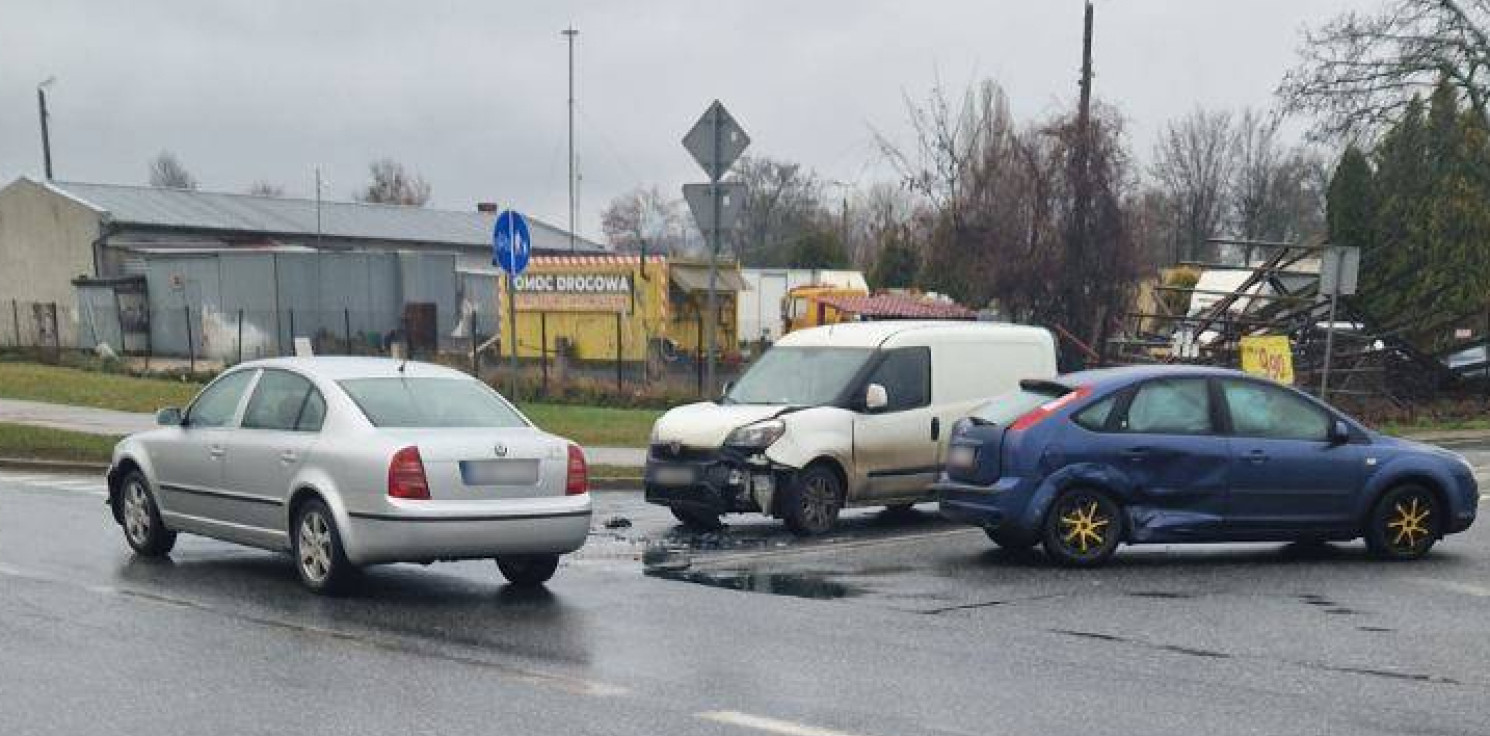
{"points": [[1003, 410], [799, 376]]}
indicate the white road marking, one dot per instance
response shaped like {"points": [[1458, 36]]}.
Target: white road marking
{"points": [[77, 485], [25, 478], [770, 725], [1478, 591]]}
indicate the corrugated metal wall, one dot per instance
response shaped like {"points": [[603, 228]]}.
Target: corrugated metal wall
{"points": [[216, 304]]}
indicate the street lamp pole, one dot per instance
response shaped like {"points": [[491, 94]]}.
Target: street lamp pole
{"points": [[571, 32], [46, 138]]}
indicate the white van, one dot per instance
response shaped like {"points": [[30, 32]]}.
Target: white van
{"points": [[852, 414]]}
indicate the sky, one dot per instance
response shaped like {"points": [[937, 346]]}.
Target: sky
{"points": [[472, 95]]}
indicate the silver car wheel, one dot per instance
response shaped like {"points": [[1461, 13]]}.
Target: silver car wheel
{"points": [[314, 546], [136, 513]]}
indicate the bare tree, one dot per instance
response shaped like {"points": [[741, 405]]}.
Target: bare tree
{"points": [[877, 215], [951, 141], [392, 184], [262, 188], [1358, 71], [166, 171], [783, 205], [1193, 163], [644, 219], [1277, 191]]}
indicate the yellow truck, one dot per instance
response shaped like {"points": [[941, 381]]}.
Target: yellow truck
{"points": [[814, 305]]}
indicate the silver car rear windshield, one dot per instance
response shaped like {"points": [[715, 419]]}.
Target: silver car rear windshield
{"points": [[799, 376], [429, 402]]}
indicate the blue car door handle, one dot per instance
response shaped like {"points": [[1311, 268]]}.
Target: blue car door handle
{"points": [[1136, 453], [1257, 456]]}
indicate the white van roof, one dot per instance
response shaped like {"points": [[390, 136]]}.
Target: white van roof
{"points": [[894, 333]]}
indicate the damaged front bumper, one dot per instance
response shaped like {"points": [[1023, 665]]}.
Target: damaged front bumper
{"points": [[716, 480]]}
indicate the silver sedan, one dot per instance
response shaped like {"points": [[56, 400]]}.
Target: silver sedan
{"points": [[347, 462]]}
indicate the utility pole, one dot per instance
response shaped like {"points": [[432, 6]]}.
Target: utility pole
{"points": [[1078, 246], [318, 209], [571, 32], [46, 137]]}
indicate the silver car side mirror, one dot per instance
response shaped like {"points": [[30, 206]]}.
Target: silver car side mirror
{"points": [[168, 417], [876, 397]]}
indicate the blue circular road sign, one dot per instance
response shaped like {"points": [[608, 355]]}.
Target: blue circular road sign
{"points": [[511, 244]]}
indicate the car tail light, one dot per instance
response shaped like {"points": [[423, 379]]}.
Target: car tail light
{"points": [[577, 479], [406, 475], [1033, 417]]}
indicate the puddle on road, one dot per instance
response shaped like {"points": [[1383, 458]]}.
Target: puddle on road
{"points": [[797, 585]]}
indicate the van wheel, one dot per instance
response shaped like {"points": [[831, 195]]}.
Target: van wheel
{"points": [[1404, 524], [810, 505], [697, 519], [1082, 528], [146, 533]]}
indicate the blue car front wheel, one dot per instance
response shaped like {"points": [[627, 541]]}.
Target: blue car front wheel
{"points": [[1083, 528], [1404, 523]]}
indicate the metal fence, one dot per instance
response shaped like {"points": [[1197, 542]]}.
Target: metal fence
{"points": [[40, 326], [558, 354]]}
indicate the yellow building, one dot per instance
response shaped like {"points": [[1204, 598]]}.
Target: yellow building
{"points": [[590, 305]]}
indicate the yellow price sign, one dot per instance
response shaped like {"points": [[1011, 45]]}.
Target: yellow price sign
{"points": [[1268, 356]]}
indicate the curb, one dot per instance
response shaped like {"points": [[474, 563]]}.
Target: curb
{"points": [[52, 466], [615, 484], [1447, 435]]}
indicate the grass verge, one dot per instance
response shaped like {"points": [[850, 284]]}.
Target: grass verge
{"points": [[41, 443], [60, 385], [595, 425], [587, 425]]}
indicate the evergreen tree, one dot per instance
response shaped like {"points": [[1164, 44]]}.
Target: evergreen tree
{"points": [[1390, 267], [1422, 219], [1351, 201], [896, 265], [819, 248]]}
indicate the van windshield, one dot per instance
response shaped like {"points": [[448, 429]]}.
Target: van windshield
{"points": [[799, 376]]}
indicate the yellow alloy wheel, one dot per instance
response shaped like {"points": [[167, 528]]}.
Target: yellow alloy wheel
{"points": [[1409, 522], [1084, 527]]}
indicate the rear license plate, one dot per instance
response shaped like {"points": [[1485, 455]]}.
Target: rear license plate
{"points": [[962, 457], [499, 472], [674, 476]]}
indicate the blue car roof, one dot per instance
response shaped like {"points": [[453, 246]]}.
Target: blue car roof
{"points": [[1111, 377]]}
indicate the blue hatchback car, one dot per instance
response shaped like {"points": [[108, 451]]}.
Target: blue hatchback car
{"points": [[1173, 454]]}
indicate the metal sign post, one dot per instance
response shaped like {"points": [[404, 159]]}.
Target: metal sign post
{"points": [[715, 142], [1338, 273], [511, 247]]}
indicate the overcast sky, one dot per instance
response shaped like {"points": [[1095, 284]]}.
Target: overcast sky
{"points": [[472, 94]]}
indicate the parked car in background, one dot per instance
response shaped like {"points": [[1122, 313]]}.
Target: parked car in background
{"points": [[855, 414], [347, 462], [1173, 454]]}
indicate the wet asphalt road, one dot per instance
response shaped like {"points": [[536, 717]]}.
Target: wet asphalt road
{"points": [[896, 625]]}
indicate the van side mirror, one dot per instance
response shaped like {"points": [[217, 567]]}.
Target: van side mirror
{"points": [[876, 397], [168, 417], [1339, 432]]}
